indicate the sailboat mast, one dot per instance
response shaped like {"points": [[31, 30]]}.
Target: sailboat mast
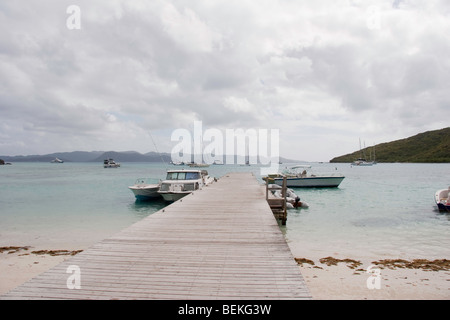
{"points": [[360, 150]]}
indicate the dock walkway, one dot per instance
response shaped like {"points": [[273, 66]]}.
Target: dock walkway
{"points": [[221, 242]]}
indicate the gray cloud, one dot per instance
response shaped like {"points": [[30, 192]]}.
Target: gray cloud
{"points": [[311, 69]]}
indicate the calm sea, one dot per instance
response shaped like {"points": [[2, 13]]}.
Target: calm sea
{"points": [[385, 210]]}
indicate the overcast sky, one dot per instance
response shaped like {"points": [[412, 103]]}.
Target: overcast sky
{"points": [[325, 73]]}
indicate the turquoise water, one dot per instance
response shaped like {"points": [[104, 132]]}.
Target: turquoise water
{"points": [[384, 210]]}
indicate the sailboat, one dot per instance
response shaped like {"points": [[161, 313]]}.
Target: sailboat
{"points": [[361, 161]]}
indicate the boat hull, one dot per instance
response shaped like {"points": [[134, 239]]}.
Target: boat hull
{"points": [[443, 207], [310, 182], [441, 197], [362, 164], [111, 166], [145, 192], [173, 196]]}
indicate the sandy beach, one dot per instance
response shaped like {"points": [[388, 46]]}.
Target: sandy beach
{"points": [[19, 264], [330, 278], [327, 278]]}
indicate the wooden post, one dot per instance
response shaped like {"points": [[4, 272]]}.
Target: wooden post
{"points": [[267, 188], [278, 206], [283, 193]]}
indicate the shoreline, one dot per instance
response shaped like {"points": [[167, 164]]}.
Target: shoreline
{"points": [[327, 278]]}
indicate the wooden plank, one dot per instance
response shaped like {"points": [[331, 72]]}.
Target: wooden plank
{"points": [[218, 243]]}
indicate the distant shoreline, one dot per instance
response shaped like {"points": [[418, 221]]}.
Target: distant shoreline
{"points": [[121, 156], [393, 162]]}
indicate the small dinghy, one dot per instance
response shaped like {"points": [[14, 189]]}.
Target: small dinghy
{"points": [[442, 198], [146, 189], [293, 201]]}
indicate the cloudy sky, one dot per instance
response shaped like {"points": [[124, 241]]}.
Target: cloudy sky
{"points": [[326, 73]]}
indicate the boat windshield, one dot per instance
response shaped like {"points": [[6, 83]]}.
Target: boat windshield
{"points": [[183, 176]]}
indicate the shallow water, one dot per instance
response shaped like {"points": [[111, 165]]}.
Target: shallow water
{"points": [[383, 210]]}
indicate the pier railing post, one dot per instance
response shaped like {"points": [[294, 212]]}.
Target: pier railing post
{"points": [[283, 193], [267, 189], [278, 205]]}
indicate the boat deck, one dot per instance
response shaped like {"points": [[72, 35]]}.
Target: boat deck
{"points": [[221, 242]]}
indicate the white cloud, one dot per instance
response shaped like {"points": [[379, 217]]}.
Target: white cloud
{"points": [[188, 30]]}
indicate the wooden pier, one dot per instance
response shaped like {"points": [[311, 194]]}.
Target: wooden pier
{"points": [[221, 242]]}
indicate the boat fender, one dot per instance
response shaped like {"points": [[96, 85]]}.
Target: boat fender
{"points": [[290, 199], [297, 202]]}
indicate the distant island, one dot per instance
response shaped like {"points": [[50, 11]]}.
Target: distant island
{"points": [[426, 147], [92, 156], [99, 156]]}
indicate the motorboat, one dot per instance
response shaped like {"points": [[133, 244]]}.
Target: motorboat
{"points": [[442, 198], [177, 163], [146, 189], [57, 160], [110, 163], [247, 163], [298, 177], [179, 183], [293, 201], [198, 165]]}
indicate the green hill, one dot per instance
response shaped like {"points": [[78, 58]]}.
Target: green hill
{"points": [[430, 146]]}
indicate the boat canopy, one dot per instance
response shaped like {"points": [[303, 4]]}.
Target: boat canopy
{"points": [[301, 167], [183, 175]]}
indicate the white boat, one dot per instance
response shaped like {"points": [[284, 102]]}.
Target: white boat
{"points": [[298, 177], [180, 183], [293, 201], [110, 163], [247, 163], [57, 160], [177, 163], [146, 189], [198, 165], [442, 198], [362, 162]]}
